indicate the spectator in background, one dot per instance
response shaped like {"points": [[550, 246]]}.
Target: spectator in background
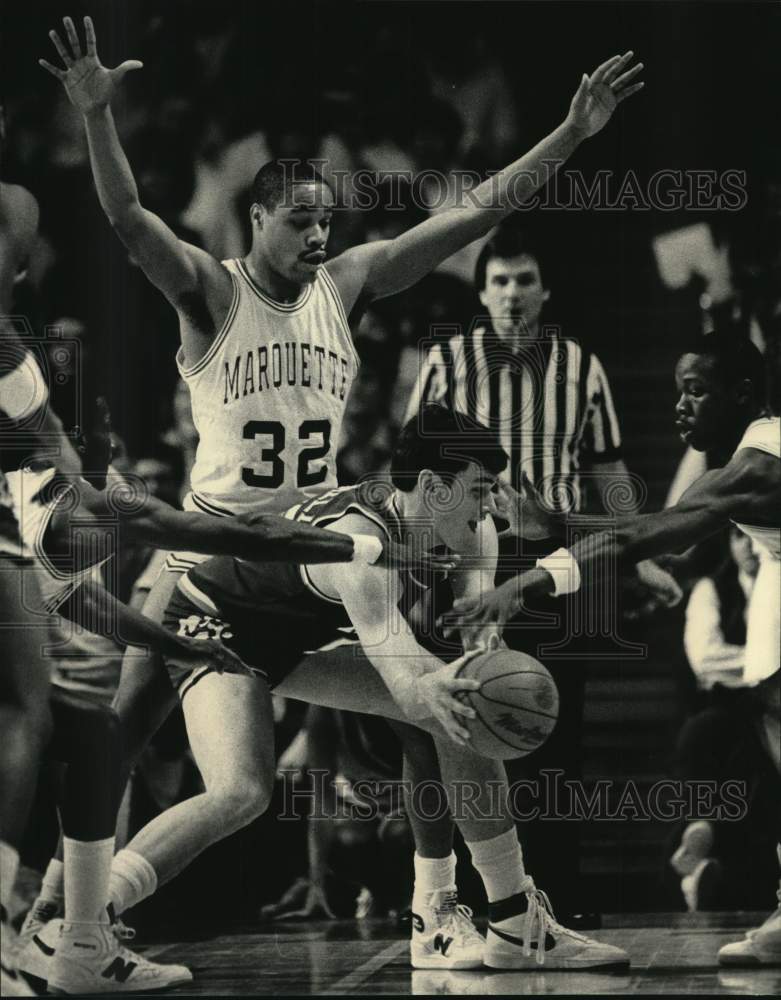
{"points": [[357, 864], [715, 633], [367, 435], [732, 738], [475, 84], [182, 435]]}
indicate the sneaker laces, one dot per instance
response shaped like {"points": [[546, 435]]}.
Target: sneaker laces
{"points": [[121, 931], [539, 920], [456, 918], [41, 912]]}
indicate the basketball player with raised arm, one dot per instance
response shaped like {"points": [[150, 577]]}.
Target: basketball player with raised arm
{"points": [[266, 345], [721, 409]]}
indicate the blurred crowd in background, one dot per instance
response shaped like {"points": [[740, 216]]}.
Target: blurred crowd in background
{"points": [[381, 88]]}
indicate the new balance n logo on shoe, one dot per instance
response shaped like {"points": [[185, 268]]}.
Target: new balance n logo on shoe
{"points": [[442, 944], [550, 941], [43, 946], [119, 970]]}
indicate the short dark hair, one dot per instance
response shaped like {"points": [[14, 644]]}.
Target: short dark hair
{"points": [[508, 241], [735, 358], [445, 441], [277, 178]]}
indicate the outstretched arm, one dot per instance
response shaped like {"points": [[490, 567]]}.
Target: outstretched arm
{"points": [[749, 483], [260, 537], [378, 269], [192, 281], [94, 608]]}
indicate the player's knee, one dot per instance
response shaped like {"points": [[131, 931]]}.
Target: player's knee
{"points": [[243, 800]]}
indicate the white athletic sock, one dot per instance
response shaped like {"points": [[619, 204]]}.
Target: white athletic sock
{"points": [[87, 867], [9, 863], [53, 884], [433, 875], [500, 864], [132, 879]]}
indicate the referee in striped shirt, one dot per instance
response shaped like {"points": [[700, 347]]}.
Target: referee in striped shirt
{"points": [[548, 397], [550, 401]]}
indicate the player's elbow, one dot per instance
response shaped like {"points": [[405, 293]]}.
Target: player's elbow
{"points": [[126, 216]]}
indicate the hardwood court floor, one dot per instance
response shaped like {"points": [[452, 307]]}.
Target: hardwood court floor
{"points": [[671, 954]]}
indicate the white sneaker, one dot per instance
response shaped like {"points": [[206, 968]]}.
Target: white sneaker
{"points": [[39, 914], [762, 945], [35, 956], [89, 959], [443, 935], [514, 942], [11, 983]]}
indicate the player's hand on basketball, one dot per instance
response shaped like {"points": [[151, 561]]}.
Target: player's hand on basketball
{"points": [[316, 906], [213, 652], [397, 556], [88, 83], [599, 95], [437, 692]]}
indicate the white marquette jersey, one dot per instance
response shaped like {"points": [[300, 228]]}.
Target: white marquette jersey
{"points": [[268, 398], [763, 628], [35, 501]]}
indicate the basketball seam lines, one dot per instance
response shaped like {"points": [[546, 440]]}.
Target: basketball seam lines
{"points": [[493, 732]]}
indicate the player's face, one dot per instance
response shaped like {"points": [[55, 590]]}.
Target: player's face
{"points": [[514, 294], [706, 410], [461, 504], [295, 234]]}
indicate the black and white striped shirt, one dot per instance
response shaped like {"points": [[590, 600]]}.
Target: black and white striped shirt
{"points": [[550, 403]]}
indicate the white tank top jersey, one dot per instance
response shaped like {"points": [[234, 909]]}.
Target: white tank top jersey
{"points": [[35, 506], [763, 625], [268, 398], [763, 435]]}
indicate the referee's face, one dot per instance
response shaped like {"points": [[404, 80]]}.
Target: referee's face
{"points": [[514, 295]]}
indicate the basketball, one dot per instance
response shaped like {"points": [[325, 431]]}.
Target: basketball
{"points": [[517, 704]]}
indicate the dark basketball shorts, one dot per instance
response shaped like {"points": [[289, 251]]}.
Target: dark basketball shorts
{"points": [[269, 643]]}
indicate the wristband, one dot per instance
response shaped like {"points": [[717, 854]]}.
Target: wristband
{"points": [[366, 548], [23, 391], [563, 568]]}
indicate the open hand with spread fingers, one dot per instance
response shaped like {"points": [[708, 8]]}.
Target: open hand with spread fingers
{"points": [[599, 95], [212, 651], [434, 695], [485, 613], [88, 83], [526, 513]]}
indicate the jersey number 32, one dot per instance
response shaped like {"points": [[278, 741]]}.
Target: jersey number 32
{"points": [[272, 456]]}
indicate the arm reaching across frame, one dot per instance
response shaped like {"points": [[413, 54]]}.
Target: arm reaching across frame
{"points": [[746, 490], [375, 270]]}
